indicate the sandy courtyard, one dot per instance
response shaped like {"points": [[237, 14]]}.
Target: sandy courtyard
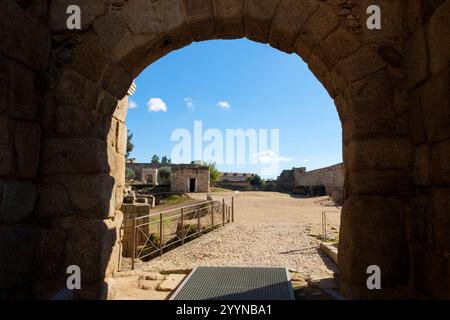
{"points": [[270, 230]]}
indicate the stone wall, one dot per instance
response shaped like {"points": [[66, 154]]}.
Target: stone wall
{"points": [[133, 211], [179, 180], [332, 178], [62, 132]]}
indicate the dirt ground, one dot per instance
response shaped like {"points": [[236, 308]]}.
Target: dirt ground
{"points": [[291, 222], [276, 207]]}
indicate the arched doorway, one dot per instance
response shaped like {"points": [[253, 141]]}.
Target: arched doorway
{"points": [[371, 76]]}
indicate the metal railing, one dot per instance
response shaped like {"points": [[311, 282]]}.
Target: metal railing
{"points": [[157, 231], [326, 222]]}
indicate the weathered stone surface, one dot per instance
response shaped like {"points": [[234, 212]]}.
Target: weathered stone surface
{"points": [[27, 143], [5, 147], [229, 18], [435, 101], [120, 113], [258, 18], [101, 290], [439, 38], [391, 24], [416, 59], [370, 245], [323, 22], [23, 38], [3, 84], [372, 100], [20, 250], [73, 122], [110, 29], [83, 155], [90, 49], [431, 271], [414, 15], [440, 217], [117, 81], [143, 17], [380, 182], [90, 246], [289, 20], [422, 166], [304, 45], [341, 44], [441, 163], [379, 154], [116, 163], [52, 254], [21, 96], [38, 10], [416, 118], [171, 282], [79, 91], [17, 201], [119, 197], [122, 134], [90, 10], [420, 224], [91, 196], [53, 202], [200, 19], [360, 64]]}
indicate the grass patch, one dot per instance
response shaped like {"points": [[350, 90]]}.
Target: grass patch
{"points": [[220, 190], [174, 199]]}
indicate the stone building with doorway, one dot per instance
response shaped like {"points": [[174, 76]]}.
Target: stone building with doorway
{"points": [[183, 177], [149, 176], [190, 178]]}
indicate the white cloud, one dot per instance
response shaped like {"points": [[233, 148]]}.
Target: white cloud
{"points": [[132, 104], [156, 105], [224, 104], [306, 160], [189, 102], [268, 156]]}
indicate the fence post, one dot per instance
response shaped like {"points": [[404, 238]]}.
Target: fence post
{"points": [[199, 222], [223, 213], [212, 215], [182, 226], [161, 235], [133, 245], [232, 209]]}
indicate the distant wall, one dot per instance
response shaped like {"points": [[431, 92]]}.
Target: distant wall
{"points": [[332, 178]]}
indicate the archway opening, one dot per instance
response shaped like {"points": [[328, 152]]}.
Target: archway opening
{"points": [[209, 91], [90, 72]]}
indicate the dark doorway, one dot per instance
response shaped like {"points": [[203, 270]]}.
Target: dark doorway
{"points": [[192, 185]]}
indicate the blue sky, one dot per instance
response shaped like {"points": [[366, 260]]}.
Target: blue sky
{"points": [[236, 84]]}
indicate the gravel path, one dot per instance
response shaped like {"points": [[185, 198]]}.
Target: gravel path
{"points": [[252, 245]]}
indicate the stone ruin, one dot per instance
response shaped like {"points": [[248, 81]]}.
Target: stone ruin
{"points": [[63, 103]]}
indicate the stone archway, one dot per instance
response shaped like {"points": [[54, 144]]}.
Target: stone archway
{"points": [[389, 87]]}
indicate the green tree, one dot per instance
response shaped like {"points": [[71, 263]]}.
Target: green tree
{"points": [[129, 174], [214, 174], [155, 159], [256, 181], [130, 145], [164, 175], [165, 160]]}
